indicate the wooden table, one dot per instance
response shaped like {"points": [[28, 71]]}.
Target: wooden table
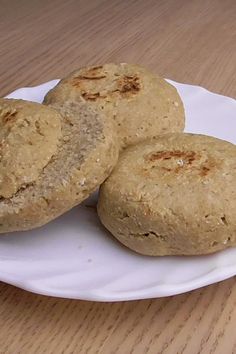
{"points": [[185, 40]]}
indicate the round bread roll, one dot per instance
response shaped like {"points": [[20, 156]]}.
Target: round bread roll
{"points": [[50, 160], [142, 104], [173, 195]]}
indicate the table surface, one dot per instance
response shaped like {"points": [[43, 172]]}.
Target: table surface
{"points": [[188, 41]]}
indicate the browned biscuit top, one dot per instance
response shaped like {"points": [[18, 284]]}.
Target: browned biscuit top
{"points": [[141, 104]]}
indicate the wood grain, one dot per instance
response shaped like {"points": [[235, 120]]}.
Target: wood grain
{"points": [[188, 41]]}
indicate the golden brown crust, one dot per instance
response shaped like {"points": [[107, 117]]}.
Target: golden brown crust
{"points": [[142, 104], [29, 135], [173, 195], [182, 160], [85, 156]]}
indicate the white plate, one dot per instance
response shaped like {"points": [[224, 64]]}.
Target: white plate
{"points": [[74, 257]]}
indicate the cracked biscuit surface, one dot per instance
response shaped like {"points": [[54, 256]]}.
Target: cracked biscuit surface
{"points": [[141, 104], [51, 159], [173, 195]]}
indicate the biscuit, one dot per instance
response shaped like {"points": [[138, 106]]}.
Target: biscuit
{"points": [[142, 104], [51, 160], [173, 195]]}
